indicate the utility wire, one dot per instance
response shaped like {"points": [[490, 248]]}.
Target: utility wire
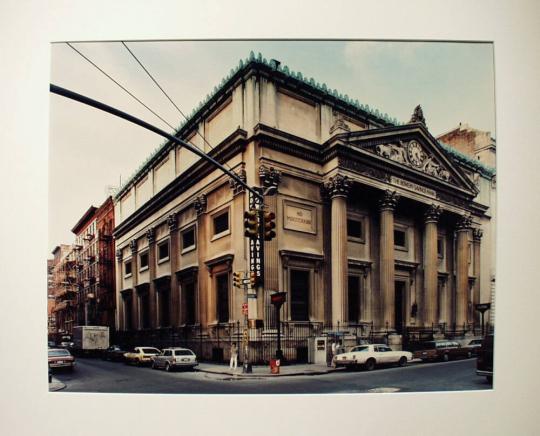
{"points": [[103, 72], [166, 95]]}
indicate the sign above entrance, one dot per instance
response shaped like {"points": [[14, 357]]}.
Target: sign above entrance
{"points": [[299, 217], [410, 186]]}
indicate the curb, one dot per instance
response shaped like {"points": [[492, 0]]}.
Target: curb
{"points": [[56, 385], [258, 375]]}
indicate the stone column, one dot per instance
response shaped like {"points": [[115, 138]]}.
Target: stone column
{"points": [[477, 237], [338, 188], [174, 255], [151, 236], [119, 316], [387, 205], [431, 217], [463, 229], [269, 177], [134, 280]]}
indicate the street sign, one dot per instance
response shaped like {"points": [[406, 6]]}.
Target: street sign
{"points": [[256, 256], [278, 298]]}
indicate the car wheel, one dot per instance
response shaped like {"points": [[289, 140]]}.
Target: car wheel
{"points": [[370, 364], [402, 361], [168, 367], [154, 365], [445, 358]]}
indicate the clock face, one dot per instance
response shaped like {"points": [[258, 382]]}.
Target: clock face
{"points": [[415, 153]]}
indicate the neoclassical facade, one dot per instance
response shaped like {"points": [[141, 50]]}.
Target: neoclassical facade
{"points": [[378, 224]]}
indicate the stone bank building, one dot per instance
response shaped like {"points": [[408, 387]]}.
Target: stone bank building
{"points": [[382, 231]]}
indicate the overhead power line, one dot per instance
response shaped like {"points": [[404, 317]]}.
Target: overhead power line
{"points": [[120, 85], [164, 93]]}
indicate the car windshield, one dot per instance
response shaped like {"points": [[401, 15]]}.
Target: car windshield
{"points": [[58, 353], [183, 353], [150, 351]]}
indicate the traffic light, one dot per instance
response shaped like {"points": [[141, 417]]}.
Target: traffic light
{"points": [[253, 279], [251, 223], [237, 279], [269, 226]]}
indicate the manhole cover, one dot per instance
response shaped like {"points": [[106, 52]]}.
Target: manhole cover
{"points": [[384, 390]]}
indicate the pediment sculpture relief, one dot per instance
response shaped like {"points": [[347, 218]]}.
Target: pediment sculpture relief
{"points": [[413, 155]]}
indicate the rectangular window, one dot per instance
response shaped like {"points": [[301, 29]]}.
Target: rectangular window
{"points": [[221, 223], [400, 238], [163, 250], [222, 285], [188, 238], [354, 229], [143, 260], [127, 269], [299, 295]]}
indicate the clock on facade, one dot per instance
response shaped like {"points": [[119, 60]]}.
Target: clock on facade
{"points": [[415, 153]]}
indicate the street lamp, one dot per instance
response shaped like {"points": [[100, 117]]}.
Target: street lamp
{"points": [[277, 299]]}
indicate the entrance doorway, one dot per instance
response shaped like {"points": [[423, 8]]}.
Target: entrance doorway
{"points": [[399, 306], [299, 295]]}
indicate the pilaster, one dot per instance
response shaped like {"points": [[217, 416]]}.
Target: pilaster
{"points": [[203, 282], [136, 322], [477, 239], [152, 303], [175, 306], [119, 316]]}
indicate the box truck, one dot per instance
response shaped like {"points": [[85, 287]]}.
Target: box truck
{"points": [[89, 339]]}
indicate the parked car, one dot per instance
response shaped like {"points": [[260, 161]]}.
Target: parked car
{"points": [[141, 355], [474, 346], [484, 361], [371, 355], [174, 358], [60, 358], [114, 353], [441, 350]]}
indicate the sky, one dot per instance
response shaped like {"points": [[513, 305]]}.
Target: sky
{"points": [[91, 151]]}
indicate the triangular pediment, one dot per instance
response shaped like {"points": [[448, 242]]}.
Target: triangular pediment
{"points": [[412, 147]]}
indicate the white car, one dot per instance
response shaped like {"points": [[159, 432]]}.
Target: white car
{"points": [[174, 358], [372, 355]]}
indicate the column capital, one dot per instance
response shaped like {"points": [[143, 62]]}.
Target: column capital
{"points": [[151, 235], [432, 214], [200, 204], [389, 200], [172, 221], [337, 186], [477, 234], [464, 223], [133, 246], [234, 185], [119, 255], [269, 176]]}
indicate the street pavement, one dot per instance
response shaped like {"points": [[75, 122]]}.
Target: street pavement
{"points": [[94, 375]]}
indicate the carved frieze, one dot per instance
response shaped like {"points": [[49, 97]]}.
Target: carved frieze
{"points": [[418, 116], [200, 204], [389, 200], [133, 246], [337, 186], [339, 126], [412, 155], [363, 169], [433, 213], [452, 200], [119, 255]]}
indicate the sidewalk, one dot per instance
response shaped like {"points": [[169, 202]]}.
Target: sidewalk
{"points": [[56, 385], [264, 370]]}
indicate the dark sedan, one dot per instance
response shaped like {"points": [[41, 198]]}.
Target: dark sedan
{"points": [[114, 353], [441, 350]]}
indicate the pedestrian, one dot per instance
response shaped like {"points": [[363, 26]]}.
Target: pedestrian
{"points": [[234, 357]]}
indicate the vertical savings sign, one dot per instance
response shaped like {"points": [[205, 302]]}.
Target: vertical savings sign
{"points": [[256, 261]]}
